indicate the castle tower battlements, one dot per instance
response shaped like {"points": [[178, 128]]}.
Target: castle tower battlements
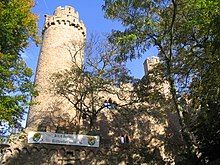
{"points": [[150, 63], [65, 16]]}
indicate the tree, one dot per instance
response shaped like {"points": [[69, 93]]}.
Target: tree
{"points": [[96, 83], [18, 24], [203, 79], [101, 84], [186, 34]]}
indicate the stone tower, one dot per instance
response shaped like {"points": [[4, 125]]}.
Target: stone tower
{"points": [[63, 35], [149, 63]]}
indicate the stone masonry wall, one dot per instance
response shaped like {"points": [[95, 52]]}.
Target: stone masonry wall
{"points": [[63, 36]]}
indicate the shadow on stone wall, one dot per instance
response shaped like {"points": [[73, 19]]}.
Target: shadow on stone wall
{"points": [[145, 145]]}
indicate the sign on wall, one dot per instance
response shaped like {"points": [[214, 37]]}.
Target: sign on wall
{"points": [[66, 139]]}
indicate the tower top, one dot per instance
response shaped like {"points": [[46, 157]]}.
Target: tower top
{"points": [[149, 63], [66, 11], [67, 16]]}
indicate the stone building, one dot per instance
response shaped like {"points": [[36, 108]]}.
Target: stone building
{"points": [[63, 35]]}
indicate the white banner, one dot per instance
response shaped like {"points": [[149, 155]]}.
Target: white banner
{"points": [[66, 139]]}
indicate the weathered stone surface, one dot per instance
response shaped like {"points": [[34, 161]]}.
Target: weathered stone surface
{"points": [[63, 35]]}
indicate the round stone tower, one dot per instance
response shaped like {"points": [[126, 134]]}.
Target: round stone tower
{"points": [[63, 37]]}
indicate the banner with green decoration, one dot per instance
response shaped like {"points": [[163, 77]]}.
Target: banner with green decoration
{"points": [[63, 139]]}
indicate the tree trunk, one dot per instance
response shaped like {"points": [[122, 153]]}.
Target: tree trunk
{"points": [[92, 120]]}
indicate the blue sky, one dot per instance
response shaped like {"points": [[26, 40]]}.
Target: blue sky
{"points": [[91, 14]]}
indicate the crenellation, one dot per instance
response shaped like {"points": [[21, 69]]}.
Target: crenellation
{"points": [[150, 63], [65, 16], [68, 20], [67, 10]]}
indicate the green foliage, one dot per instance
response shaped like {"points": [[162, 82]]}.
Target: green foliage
{"points": [[17, 25], [199, 76], [150, 88], [206, 131], [187, 35]]}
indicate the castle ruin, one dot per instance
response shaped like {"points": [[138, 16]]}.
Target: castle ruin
{"points": [[63, 36]]}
